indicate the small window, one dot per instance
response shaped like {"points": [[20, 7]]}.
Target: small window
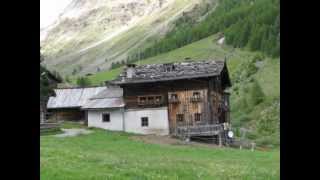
{"points": [[197, 117], [142, 100], [180, 117], [174, 96], [158, 99], [144, 122], [196, 94], [105, 117], [151, 100]]}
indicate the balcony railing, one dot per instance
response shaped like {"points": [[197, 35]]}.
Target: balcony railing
{"points": [[199, 130]]}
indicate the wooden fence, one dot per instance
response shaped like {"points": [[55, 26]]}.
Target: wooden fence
{"points": [[49, 127], [199, 130]]}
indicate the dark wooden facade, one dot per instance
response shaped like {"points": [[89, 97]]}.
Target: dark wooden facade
{"points": [[67, 114], [190, 102]]}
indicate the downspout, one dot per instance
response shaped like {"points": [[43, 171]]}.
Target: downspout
{"points": [[123, 120]]}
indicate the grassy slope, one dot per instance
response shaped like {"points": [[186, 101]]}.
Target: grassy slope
{"points": [[268, 76], [204, 49], [106, 155]]}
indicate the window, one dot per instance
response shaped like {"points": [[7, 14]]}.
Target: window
{"points": [[105, 117], [196, 94], [158, 99], [180, 117], [150, 100], [174, 96], [142, 100], [144, 122], [197, 117]]}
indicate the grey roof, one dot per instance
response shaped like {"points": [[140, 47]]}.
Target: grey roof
{"points": [[182, 70], [104, 103], [108, 98], [110, 92], [72, 97]]}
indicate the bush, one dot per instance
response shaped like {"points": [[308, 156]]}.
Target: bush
{"points": [[269, 121], [242, 103], [268, 141], [83, 82], [256, 94]]}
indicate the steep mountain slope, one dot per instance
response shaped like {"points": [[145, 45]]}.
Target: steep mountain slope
{"points": [[95, 33], [255, 92]]}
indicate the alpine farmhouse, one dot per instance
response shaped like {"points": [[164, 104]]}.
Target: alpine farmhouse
{"points": [[182, 99]]}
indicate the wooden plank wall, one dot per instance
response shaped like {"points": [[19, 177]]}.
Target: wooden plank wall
{"points": [[210, 88], [67, 114], [188, 108]]}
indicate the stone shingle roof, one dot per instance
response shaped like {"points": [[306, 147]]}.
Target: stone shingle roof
{"points": [[172, 71]]}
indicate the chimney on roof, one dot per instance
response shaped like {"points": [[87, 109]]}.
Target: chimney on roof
{"points": [[130, 70]]}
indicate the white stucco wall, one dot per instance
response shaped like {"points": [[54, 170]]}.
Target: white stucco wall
{"points": [[158, 121], [116, 119]]}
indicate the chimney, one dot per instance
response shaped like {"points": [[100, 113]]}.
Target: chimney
{"points": [[130, 70]]}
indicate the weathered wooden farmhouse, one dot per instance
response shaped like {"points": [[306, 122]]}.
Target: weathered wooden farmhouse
{"points": [[183, 99]]}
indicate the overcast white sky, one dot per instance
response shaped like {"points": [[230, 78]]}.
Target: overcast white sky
{"points": [[50, 9]]}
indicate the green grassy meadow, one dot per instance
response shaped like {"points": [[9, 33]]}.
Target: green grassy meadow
{"points": [[111, 155]]}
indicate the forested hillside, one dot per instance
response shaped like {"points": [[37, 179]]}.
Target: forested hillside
{"points": [[250, 24]]}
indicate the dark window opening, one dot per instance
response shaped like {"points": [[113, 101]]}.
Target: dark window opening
{"points": [[196, 94], [158, 99], [144, 121], [142, 100], [197, 117], [180, 117], [150, 100], [105, 117], [174, 96]]}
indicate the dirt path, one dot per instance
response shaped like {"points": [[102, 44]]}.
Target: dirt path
{"points": [[73, 132]]}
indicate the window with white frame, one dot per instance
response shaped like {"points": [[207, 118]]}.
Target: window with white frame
{"points": [[106, 117], [144, 121]]}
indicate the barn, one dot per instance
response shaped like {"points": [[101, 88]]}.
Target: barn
{"points": [[66, 105]]}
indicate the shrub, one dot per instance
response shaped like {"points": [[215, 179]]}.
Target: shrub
{"points": [[256, 94], [83, 82]]}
